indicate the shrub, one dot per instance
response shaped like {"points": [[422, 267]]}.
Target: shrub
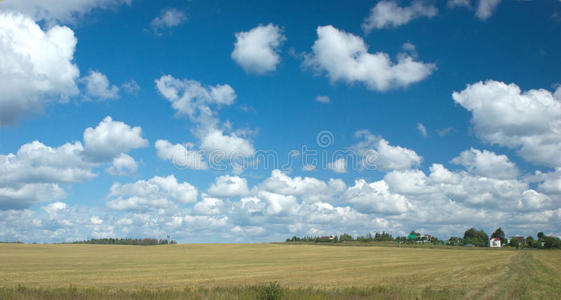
{"points": [[270, 291]]}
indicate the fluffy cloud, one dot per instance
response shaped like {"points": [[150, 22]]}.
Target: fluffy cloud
{"points": [[34, 172], [131, 87], [488, 164], [527, 121], [229, 186], [157, 192], [110, 138], [550, 182], [377, 153], [37, 163], [309, 189], [281, 183], [58, 10], [27, 194], [35, 66], [122, 165], [387, 14], [209, 206], [256, 51], [376, 197], [345, 57], [465, 189], [278, 204], [338, 165], [485, 8], [282, 206], [180, 155], [216, 144], [169, 18], [190, 98], [98, 86]]}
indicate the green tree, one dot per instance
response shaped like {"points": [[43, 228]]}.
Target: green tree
{"points": [[499, 233], [345, 237], [541, 235], [514, 242], [455, 241], [530, 242], [552, 242], [476, 237]]}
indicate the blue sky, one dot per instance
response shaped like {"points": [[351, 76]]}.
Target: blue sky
{"points": [[145, 118]]}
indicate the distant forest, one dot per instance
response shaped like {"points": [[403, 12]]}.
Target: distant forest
{"points": [[141, 242]]}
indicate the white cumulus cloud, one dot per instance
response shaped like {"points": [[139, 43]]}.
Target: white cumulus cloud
{"points": [[485, 8], [488, 164], [169, 18], [217, 144], [98, 86], [256, 51], [122, 165], [229, 186], [180, 155], [345, 57], [376, 197], [36, 66], [528, 121], [157, 192], [387, 14], [339, 165], [111, 138], [25, 195], [58, 10], [377, 153]]}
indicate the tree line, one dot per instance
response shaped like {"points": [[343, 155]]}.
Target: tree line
{"points": [[479, 238], [345, 237], [472, 237], [127, 241]]}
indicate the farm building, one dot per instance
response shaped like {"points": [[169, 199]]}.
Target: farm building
{"points": [[495, 243], [521, 239]]}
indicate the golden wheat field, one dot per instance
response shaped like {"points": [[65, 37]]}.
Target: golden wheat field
{"points": [[331, 271]]}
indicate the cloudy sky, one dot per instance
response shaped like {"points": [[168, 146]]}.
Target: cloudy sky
{"points": [[249, 121]]}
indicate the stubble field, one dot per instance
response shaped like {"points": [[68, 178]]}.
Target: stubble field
{"points": [[246, 271]]}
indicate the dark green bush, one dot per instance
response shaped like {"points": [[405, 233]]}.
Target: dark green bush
{"points": [[270, 291]]}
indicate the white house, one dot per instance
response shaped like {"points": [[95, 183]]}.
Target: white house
{"points": [[495, 243]]}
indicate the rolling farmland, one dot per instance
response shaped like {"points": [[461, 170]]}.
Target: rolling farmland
{"points": [[196, 270]]}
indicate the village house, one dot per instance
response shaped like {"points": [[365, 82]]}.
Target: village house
{"points": [[495, 243]]}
